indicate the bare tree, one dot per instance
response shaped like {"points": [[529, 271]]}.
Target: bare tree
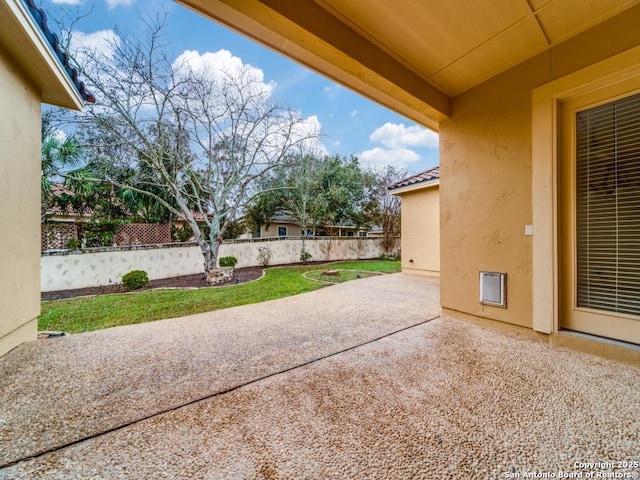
{"points": [[386, 207], [194, 139]]}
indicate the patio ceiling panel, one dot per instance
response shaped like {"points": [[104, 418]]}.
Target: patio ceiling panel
{"points": [[512, 46], [408, 36], [561, 19]]}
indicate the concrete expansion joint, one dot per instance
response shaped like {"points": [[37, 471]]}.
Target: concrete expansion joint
{"points": [[215, 394]]}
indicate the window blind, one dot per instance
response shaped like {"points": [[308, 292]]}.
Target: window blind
{"points": [[608, 206]]}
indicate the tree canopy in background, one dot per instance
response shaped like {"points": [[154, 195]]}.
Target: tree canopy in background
{"points": [[189, 139], [319, 191], [331, 191]]}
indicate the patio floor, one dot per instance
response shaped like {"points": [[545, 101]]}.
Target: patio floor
{"points": [[361, 380]]}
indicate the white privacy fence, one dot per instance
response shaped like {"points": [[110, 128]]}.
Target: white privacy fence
{"points": [[91, 267]]}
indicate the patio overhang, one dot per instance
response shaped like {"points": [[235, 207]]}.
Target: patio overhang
{"points": [[411, 56]]}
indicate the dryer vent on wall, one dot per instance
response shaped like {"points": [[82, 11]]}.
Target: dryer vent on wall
{"points": [[493, 287]]}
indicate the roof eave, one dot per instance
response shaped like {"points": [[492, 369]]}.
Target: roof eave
{"points": [[415, 186], [26, 44]]}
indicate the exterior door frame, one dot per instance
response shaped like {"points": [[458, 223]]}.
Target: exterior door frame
{"points": [[592, 321], [545, 149]]}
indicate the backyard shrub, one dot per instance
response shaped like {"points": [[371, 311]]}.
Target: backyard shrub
{"points": [[227, 261], [305, 256], [264, 255], [74, 243], [135, 279]]}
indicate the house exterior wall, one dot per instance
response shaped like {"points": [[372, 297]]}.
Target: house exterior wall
{"points": [[19, 197], [486, 173], [420, 242], [293, 230]]}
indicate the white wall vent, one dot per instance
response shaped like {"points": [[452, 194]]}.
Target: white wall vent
{"points": [[493, 289]]}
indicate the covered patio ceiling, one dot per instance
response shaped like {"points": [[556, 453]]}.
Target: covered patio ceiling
{"points": [[412, 56]]}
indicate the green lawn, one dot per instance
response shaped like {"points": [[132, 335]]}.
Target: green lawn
{"points": [[88, 314]]}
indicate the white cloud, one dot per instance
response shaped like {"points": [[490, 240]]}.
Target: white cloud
{"points": [[397, 136], [379, 157], [67, 2], [215, 65], [117, 3], [102, 41], [354, 113], [311, 126]]}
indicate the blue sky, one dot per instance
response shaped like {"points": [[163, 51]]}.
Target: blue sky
{"points": [[350, 123]]}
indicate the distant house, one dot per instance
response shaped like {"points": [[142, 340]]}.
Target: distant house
{"points": [[33, 70], [420, 219], [281, 224], [68, 214], [375, 231], [284, 224]]}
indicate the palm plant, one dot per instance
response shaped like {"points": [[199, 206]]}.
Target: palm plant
{"points": [[60, 163]]}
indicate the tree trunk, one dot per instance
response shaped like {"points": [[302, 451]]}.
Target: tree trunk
{"points": [[212, 260], [303, 251]]}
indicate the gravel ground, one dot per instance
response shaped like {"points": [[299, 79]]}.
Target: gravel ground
{"points": [[442, 399]]}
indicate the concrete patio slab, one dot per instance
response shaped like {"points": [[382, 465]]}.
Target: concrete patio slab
{"points": [[58, 391], [441, 399]]}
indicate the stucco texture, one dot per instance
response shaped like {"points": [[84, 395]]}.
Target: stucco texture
{"points": [[485, 173], [20, 218], [420, 222]]}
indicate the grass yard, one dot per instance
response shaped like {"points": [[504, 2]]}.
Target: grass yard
{"points": [[104, 311]]}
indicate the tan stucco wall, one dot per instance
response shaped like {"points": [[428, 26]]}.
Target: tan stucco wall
{"points": [[20, 200], [485, 172], [420, 220]]}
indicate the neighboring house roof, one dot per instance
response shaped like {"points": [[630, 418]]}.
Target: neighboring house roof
{"points": [[57, 190], [420, 180], [35, 49], [282, 216]]}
